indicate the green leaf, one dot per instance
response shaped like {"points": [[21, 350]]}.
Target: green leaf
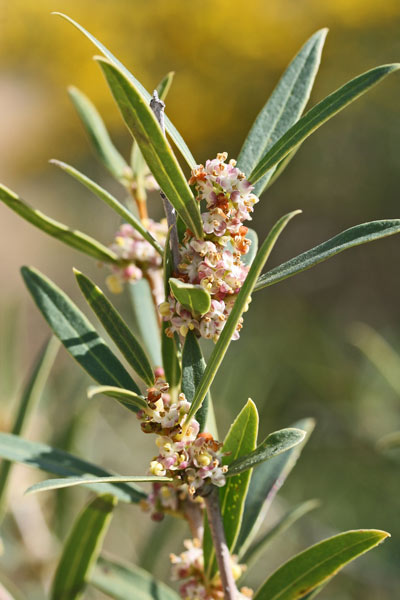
{"points": [[146, 319], [111, 201], [58, 462], [319, 563], [156, 151], [123, 582], [283, 108], [98, 135], [240, 440], [71, 237], [165, 85], [126, 397], [171, 130], [30, 395], [319, 114], [241, 302], [82, 549], [116, 328], [76, 333], [193, 366], [57, 484], [274, 444], [193, 297], [170, 358], [248, 258], [288, 519], [265, 482], [360, 234]]}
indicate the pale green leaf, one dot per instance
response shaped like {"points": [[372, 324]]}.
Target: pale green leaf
{"points": [[76, 239], [64, 482], [248, 258], [146, 319], [316, 565], [82, 549], [126, 397], [318, 115], [193, 297]]}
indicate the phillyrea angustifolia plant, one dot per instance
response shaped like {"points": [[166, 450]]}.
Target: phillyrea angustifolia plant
{"points": [[190, 278]]}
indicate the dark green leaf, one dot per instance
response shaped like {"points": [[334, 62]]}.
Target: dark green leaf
{"points": [[58, 462], [76, 333], [170, 353], [116, 328], [71, 237], [242, 300], [171, 130], [274, 444], [57, 484], [316, 565], [146, 319], [82, 549], [98, 135], [318, 115], [283, 108], [193, 297], [193, 366], [360, 234], [156, 151], [240, 440], [126, 397], [265, 483], [123, 582], [109, 199]]}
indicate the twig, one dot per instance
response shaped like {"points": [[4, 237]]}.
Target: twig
{"points": [[158, 106], [221, 549]]}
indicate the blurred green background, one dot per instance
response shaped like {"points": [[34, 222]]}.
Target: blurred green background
{"points": [[294, 357]]}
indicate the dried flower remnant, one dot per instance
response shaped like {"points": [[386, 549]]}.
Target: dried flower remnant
{"points": [[215, 262]]}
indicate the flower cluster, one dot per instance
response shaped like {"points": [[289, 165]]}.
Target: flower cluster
{"points": [[140, 256], [215, 262], [190, 457], [189, 565]]}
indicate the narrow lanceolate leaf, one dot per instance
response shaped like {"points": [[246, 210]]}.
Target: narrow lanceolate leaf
{"points": [[146, 319], [76, 239], [76, 333], [319, 114], [274, 444], [170, 346], [111, 201], [193, 297], [56, 484], [123, 582], [30, 396], [239, 307], [193, 366], [98, 134], [170, 128], [265, 482], [58, 462], [82, 549], [288, 519], [355, 236], [240, 440], [116, 328], [165, 85], [125, 397], [283, 108], [316, 565], [248, 258], [156, 151]]}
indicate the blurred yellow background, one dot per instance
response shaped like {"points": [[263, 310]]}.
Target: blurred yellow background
{"points": [[293, 358]]}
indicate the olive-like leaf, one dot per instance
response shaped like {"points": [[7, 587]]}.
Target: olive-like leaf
{"points": [[308, 570], [193, 366], [152, 142], [116, 328], [274, 444], [64, 482], [165, 85], [64, 464], [355, 236], [111, 201], [146, 319], [82, 549], [170, 128], [125, 397], [98, 134], [241, 302], [72, 237], [283, 108], [128, 582], [319, 114], [76, 333], [193, 297]]}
